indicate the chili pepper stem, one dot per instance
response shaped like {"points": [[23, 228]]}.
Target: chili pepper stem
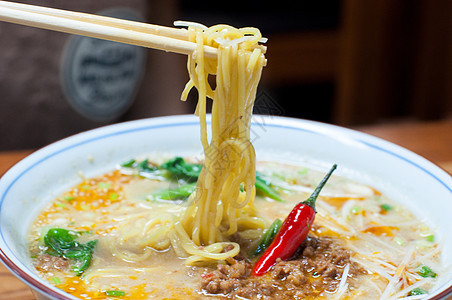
{"points": [[311, 200]]}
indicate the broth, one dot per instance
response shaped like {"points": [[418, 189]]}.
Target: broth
{"points": [[389, 251]]}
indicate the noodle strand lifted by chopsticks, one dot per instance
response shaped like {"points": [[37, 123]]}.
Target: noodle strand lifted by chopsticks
{"points": [[229, 156]]}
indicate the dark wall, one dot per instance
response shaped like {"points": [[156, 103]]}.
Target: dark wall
{"points": [[347, 62], [34, 111]]}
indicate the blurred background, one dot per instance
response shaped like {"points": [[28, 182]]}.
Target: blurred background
{"points": [[350, 62]]}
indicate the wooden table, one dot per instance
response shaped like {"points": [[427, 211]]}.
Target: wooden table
{"points": [[431, 140]]}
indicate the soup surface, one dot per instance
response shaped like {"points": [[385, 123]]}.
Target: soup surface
{"points": [[110, 237]]}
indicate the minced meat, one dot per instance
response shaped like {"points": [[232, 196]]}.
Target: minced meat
{"points": [[316, 267], [47, 262]]}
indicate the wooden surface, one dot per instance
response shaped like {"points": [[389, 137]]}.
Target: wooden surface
{"points": [[431, 140], [394, 59]]}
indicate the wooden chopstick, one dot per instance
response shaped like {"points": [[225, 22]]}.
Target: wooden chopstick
{"points": [[177, 33], [124, 31]]}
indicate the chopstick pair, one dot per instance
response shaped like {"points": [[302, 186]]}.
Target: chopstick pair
{"points": [[118, 30]]}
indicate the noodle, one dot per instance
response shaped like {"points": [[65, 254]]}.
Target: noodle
{"points": [[229, 157]]}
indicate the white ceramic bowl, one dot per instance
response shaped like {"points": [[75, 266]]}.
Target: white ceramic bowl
{"points": [[36, 180]]}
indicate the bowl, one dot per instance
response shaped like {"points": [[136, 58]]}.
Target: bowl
{"points": [[28, 186]]}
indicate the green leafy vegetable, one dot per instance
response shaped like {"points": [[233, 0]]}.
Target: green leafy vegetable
{"points": [[425, 271], [267, 237], [180, 169], [180, 193], [62, 243], [263, 186], [144, 166], [145, 169], [129, 164], [417, 291], [115, 293]]}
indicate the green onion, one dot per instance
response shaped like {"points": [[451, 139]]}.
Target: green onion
{"points": [[355, 210], [386, 207], [56, 280], [303, 172], [267, 237], [430, 238], [417, 291], [103, 185], [425, 272], [115, 293]]}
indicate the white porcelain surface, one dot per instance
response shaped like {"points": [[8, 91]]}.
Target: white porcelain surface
{"points": [[36, 180]]}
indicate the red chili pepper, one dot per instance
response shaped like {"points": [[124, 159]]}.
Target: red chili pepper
{"points": [[293, 231]]}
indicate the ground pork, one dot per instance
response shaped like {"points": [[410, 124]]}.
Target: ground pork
{"points": [[47, 262], [317, 266]]}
